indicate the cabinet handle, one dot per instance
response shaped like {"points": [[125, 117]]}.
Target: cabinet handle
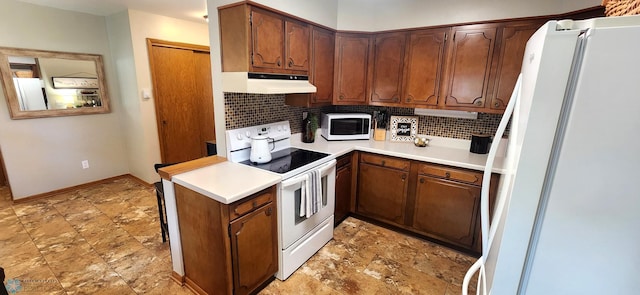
{"points": [[279, 63], [290, 63], [421, 180], [382, 162], [404, 176], [447, 174], [254, 204], [268, 212]]}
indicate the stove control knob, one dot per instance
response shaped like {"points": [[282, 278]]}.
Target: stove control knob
{"points": [[248, 134], [239, 136], [284, 127], [280, 128]]}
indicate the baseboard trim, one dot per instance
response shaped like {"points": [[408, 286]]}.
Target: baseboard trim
{"points": [[191, 285], [75, 187], [177, 278], [140, 181]]}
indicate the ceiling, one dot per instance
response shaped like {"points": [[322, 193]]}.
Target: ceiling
{"points": [[192, 10]]}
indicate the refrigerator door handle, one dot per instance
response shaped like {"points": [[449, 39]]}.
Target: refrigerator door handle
{"points": [[478, 266]]}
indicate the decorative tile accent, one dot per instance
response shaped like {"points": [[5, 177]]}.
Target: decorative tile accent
{"points": [[244, 110]]}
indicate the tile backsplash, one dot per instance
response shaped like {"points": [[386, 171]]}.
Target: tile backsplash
{"points": [[243, 110]]}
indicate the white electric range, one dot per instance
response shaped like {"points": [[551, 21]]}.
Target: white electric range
{"points": [[300, 235]]}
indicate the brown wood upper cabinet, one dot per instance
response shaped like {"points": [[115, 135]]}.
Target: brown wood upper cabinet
{"points": [[425, 60], [257, 40], [388, 65], [509, 55], [407, 68], [320, 73], [351, 69], [470, 66]]}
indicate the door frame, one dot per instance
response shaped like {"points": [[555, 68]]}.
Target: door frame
{"points": [[167, 44]]}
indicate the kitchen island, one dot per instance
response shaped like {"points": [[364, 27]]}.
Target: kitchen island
{"points": [[218, 212]]}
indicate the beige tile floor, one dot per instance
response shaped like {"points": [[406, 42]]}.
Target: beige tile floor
{"points": [[106, 240]]}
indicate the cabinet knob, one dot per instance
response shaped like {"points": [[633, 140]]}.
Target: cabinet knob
{"points": [[479, 102], [382, 162], [408, 99], [395, 99], [404, 176], [254, 204], [341, 97], [290, 63], [496, 104], [269, 211], [447, 174], [279, 63], [421, 180]]}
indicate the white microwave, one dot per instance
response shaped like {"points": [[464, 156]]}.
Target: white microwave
{"points": [[346, 126]]}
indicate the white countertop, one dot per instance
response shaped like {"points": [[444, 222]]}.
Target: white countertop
{"points": [[227, 182], [445, 151]]}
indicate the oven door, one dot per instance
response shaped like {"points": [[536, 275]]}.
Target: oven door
{"points": [[292, 225]]}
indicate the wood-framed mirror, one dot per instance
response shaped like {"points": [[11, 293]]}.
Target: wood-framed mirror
{"points": [[40, 83]]}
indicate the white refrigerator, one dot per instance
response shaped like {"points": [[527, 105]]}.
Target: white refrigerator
{"points": [[30, 95], [567, 218]]}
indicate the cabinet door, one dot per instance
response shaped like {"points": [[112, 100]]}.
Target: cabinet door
{"points": [[388, 63], [509, 61], [424, 67], [351, 66], [323, 47], [446, 209], [343, 193], [382, 193], [470, 65], [254, 243], [267, 40], [297, 46]]}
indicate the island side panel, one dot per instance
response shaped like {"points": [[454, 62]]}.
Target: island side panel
{"points": [[174, 230], [205, 248]]}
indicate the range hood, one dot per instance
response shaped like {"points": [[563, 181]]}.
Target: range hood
{"points": [[244, 82]]}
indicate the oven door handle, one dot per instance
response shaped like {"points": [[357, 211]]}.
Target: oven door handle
{"points": [[323, 169]]}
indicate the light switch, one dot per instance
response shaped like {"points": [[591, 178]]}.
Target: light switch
{"points": [[146, 93]]}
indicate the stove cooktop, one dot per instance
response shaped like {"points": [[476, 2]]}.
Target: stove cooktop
{"points": [[287, 160]]}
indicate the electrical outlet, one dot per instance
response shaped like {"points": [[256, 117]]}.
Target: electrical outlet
{"points": [[85, 164]]}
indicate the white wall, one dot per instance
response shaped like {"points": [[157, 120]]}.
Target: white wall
{"points": [[378, 15], [323, 12], [129, 31], [45, 154]]}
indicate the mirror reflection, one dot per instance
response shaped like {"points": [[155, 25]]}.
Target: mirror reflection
{"points": [[46, 84]]}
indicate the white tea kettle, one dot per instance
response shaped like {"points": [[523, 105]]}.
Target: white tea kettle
{"points": [[260, 151]]}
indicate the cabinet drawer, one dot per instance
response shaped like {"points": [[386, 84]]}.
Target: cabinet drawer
{"points": [[245, 206], [466, 176], [388, 162], [343, 161]]}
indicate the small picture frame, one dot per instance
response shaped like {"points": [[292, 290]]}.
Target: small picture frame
{"points": [[404, 128]]}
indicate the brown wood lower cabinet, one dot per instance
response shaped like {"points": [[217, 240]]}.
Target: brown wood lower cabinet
{"points": [[344, 175], [436, 201], [227, 249], [446, 209], [382, 187]]}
